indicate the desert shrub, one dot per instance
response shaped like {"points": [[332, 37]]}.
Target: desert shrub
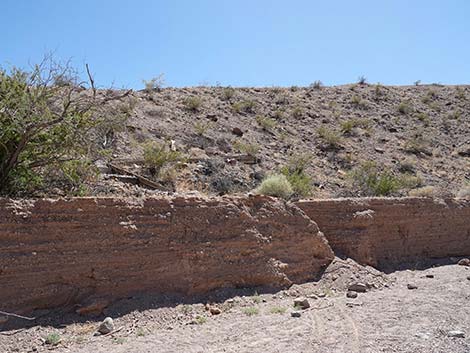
{"points": [[330, 138], [405, 108], [248, 148], [371, 180], [460, 93], [45, 128], [423, 117], [417, 145], [244, 106], [192, 103], [297, 112], [409, 181], [155, 84], [278, 114], [202, 127], [425, 191], [275, 185], [348, 125], [316, 84], [251, 311], [159, 155], [277, 310], [379, 91], [228, 93], [429, 97], [407, 166], [265, 122], [295, 173], [362, 80], [52, 339]]}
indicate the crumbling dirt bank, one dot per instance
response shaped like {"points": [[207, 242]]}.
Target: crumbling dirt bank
{"points": [[388, 232], [57, 252]]}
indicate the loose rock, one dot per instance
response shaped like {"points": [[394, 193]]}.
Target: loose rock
{"points": [[301, 303], [351, 294], [464, 262], [429, 276], [456, 334], [106, 326], [358, 287], [296, 314], [215, 310], [237, 131], [411, 286]]}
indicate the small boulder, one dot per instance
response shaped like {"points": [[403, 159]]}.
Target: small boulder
{"points": [[106, 326], [351, 294], [456, 334], [296, 314], [237, 131], [215, 310], [301, 303], [358, 287], [464, 262], [411, 286]]}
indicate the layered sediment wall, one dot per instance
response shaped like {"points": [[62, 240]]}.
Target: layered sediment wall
{"points": [[57, 252], [385, 232]]}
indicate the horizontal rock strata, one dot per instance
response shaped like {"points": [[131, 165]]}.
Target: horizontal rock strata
{"points": [[57, 252], [386, 232]]}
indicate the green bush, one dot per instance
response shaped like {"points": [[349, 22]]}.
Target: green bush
{"points": [[276, 185], [370, 180], [159, 155], [295, 173]]}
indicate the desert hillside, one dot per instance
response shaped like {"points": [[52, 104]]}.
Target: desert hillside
{"points": [[231, 138]]}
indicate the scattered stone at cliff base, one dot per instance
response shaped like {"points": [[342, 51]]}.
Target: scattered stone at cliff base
{"points": [[456, 334], [351, 294], [358, 287], [215, 310], [301, 303], [464, 262], [296, 314], [106, 326]]}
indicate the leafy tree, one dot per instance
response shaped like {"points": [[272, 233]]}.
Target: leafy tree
{"points": [[48, 123]]}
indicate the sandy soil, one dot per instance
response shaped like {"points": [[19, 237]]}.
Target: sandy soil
{"points": [[387, 318]]}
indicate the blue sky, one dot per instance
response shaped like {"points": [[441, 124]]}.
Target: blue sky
{"points": [[244, 43]]}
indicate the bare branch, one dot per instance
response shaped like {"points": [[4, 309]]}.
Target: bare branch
{"points": [[92, 81]]}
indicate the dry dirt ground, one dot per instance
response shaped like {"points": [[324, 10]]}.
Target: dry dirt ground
{"points": [[389, 317]]}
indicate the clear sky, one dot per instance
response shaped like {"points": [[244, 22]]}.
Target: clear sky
{"points": [[243, 42]]}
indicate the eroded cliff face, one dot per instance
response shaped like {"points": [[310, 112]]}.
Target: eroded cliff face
{"points": [[386, 232], [57, 252]]}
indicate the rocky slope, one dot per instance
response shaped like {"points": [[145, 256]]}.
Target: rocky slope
{"points": [[421, 131]]}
